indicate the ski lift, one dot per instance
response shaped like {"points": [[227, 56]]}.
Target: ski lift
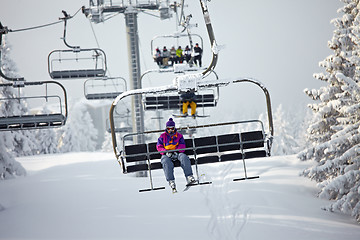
{"points": [[56, 105], [104, 88], [76, 62]]}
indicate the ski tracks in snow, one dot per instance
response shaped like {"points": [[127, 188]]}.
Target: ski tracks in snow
{"points": [[227, 216]]}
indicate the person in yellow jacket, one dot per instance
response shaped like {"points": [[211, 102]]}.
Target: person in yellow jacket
{"points": [[179, 55]]}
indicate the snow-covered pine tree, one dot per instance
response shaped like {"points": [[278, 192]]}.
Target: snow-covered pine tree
{"points": [[25, 142], [47, 138], [284, 142], [335, 131], [107, 144], [79, 133], [8, 165]]}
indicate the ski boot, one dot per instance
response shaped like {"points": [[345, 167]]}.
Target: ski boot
{"points": [[190, 180], [172, 186]]}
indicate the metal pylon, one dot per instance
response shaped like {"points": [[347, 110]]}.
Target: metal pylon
{"points": [[134, 69]]}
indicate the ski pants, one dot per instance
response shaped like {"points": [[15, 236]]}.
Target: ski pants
{"points": [[192, 105], [168, 166], [196, 59]]}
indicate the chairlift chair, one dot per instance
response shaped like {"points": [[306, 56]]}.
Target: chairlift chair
{"points": [[177, 37], [104, 88], [77, 63], [121, 124], [56, 118], [204, 98], [121, 121]]}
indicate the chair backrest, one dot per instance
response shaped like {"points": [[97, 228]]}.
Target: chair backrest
{"points": [[174, 102]]}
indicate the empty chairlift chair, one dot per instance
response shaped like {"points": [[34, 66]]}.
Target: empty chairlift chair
{"points": [[49, 111], [77, 63], [104, 88]]}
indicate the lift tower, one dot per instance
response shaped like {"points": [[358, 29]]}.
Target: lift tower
{"points": [[98, 11]]}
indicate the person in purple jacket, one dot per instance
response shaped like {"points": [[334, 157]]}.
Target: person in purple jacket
{"points": [[172, 140]]}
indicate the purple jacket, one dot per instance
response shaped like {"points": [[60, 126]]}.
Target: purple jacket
{"points": [[167, 142]]}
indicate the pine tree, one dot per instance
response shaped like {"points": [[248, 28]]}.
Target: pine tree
{"points": [[46, 138], [107, 144], [284, 142], [25, 142], [8, 165], [79, 133], [335, 130]]}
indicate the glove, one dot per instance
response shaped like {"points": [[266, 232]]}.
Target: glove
{"points": [[169, 154]]}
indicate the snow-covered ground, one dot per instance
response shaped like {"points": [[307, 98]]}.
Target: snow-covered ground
{"points": [[85, 196]]}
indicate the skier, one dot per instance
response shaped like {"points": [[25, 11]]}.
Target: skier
{"points": [[187, 53], [173, 58], [171, 140], [157, 57], [197, 54], [179, 55], [165, 56], [188, 98]]}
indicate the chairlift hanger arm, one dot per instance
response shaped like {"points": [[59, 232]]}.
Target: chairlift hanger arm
{"points": [[211, 35], [65, 18]]}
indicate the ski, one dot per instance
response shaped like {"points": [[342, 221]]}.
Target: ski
{"points": [[188, 186]]}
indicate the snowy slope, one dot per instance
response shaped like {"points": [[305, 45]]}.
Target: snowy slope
{"points": [[85, 196]]}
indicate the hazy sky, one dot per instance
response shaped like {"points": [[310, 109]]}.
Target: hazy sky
{"points": [[278, 42]]}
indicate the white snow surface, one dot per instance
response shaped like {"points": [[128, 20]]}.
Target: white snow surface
{"points": [[86, 196]]}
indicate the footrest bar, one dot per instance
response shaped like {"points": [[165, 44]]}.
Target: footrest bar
{"points": [[240, 179], [151, 189]]}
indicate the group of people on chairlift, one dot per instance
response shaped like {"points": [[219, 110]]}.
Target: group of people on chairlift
{"points": [[162, 58]]}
